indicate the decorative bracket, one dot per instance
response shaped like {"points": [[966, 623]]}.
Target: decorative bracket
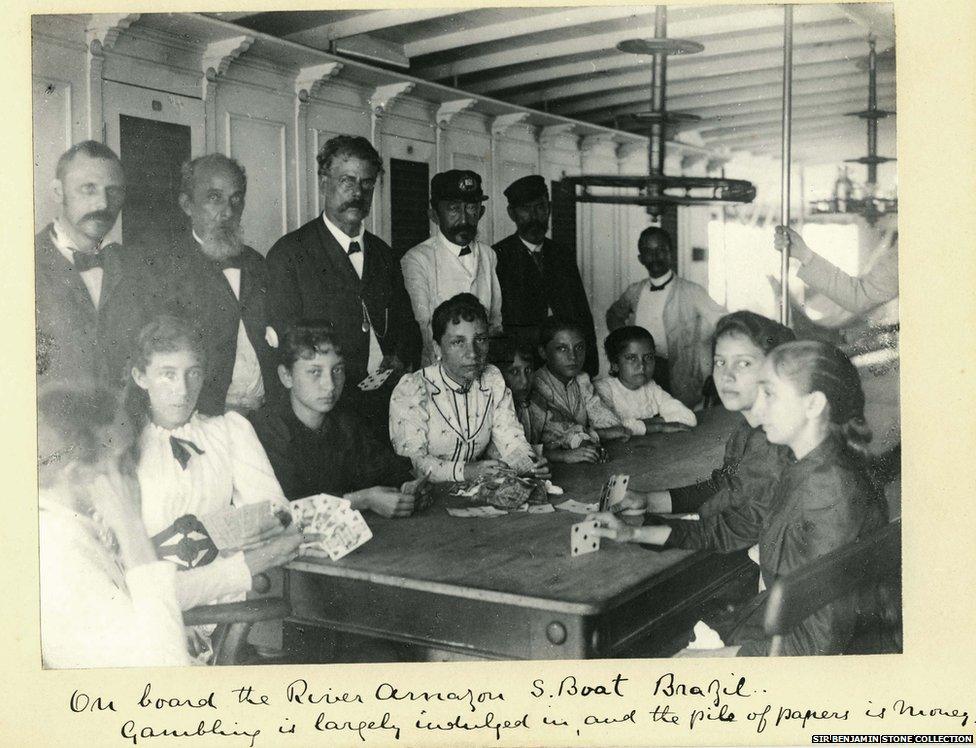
{"points": [[505, 122], [218, 56], [103, 29], [554, 131], [451, 109], [311, 78], [383, 96]]}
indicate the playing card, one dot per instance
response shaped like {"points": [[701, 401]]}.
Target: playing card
{"points": [[613, 492], [475, 511], [375, 380], [539, 508], [578, 507], [348, 532], [232, 526], [583, 538]]}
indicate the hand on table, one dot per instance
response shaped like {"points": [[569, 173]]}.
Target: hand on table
{"points": [[787, 237], [614, 433], [612, 527], [476, 470], [658, 426], [583, 453], [385, 501], [539, 469]]}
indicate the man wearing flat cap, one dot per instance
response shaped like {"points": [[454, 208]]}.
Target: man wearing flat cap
{"points": [[452, 261], [538, 277]]}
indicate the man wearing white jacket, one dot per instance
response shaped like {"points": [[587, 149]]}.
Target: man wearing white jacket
{"points": [[452, 261]]}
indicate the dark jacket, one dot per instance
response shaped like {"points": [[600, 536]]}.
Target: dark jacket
{"points": [[337, 458], [75, 340], [751, 464], [820, 503], [527, 294], [195, 288], [311, 277]]}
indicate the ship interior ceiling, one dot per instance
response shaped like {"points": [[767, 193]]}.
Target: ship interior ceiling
{"points": [[508, 92]]}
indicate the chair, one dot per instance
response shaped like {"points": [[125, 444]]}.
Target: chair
{"points": [[874, 562], [234, 621]]}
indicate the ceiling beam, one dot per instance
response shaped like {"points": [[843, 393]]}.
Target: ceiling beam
{"points": [[365, 23], [765, 120], [876, 18], [636, 86], [800, 131], [527, 49], [765, 44], [834, 107]]}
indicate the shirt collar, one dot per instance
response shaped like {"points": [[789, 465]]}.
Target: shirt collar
{"points": [[662, 279], [62, 242], [453, 248], [342, 237], [455, 385], [531, 247]]}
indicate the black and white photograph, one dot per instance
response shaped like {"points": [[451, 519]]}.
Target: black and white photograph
{"points": [[412, 335]]}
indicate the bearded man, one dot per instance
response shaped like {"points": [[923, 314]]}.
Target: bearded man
{"points": [[215, 281]]}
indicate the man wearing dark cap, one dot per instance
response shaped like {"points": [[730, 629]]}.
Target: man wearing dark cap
{"points": [[452, 261], [539, 278]]}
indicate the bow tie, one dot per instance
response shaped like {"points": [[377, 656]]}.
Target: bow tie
{"points": [[354, 247], [652, 287], [180, 451], [466, 250], [85, 261]]}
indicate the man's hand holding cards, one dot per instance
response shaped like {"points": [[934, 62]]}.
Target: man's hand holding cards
{"points": [[341, 528]]}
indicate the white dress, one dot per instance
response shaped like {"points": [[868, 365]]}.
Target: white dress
{"points": [[94, 613], [632, 406], [231, 470], [441, 427]]}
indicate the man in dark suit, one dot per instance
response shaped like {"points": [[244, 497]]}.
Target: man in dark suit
{"points": [[539, 278], [215, 281], [89, 298], [331, 269]]}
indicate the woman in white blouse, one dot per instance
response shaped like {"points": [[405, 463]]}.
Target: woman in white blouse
{"points": [[190, 465], [445, 416], [106, 601]]}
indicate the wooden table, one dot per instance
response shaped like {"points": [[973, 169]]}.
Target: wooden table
{"points": [[507, 587]]}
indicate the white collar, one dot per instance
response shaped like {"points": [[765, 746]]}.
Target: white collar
{"points": [[532, 247], [62, 242], [662, 278], [342, 237], [453, 248]]}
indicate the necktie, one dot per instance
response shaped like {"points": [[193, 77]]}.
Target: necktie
{"points": [[180, 451], [536, 255], [652, 287], [85, 261], [354, 247], [230, 262], [465, 251]]}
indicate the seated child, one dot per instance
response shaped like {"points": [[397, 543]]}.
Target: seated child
{"points": [[445, 416], [315, 449], [573, 420], [741, 342], [811, 401], [519, 373], [630, 390]]}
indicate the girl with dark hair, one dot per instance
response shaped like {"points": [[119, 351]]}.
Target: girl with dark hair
{"points": [[190, 465], [742, 340], [810, 400], [631, 392], [106, 600]]}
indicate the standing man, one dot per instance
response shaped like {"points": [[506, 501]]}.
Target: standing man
{"points": [[539, 278], [452, 261], [679, 314], [89, 298], [332, 269], [218, 283]]}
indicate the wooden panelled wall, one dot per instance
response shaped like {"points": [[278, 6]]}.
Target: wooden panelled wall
{"points": [[254, 112]]}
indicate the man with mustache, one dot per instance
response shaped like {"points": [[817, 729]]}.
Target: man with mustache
{"points": [[539, 278], [89, 297], [452, 261], [333, 270], [218, 283], [679, 314]]}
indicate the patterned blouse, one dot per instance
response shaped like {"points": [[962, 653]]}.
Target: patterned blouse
{"points": [[441, 425], [568, 413]]}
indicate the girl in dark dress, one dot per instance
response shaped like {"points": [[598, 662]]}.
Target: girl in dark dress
{"points": [[810, 400]]}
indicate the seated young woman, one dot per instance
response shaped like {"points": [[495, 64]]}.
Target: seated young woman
{"points": [[315, 448], [740, 345], [106, 600], [630, 391], [444, 416], [810, 400], [190, 465], [573, 418]]}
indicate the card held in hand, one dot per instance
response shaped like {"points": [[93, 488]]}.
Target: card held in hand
{"points": [[613, 492], [583, 538], [342, 528], [231, 527]]}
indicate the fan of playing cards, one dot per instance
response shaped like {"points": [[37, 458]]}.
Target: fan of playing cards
{"points": [[342, 528], [233, 527]]}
